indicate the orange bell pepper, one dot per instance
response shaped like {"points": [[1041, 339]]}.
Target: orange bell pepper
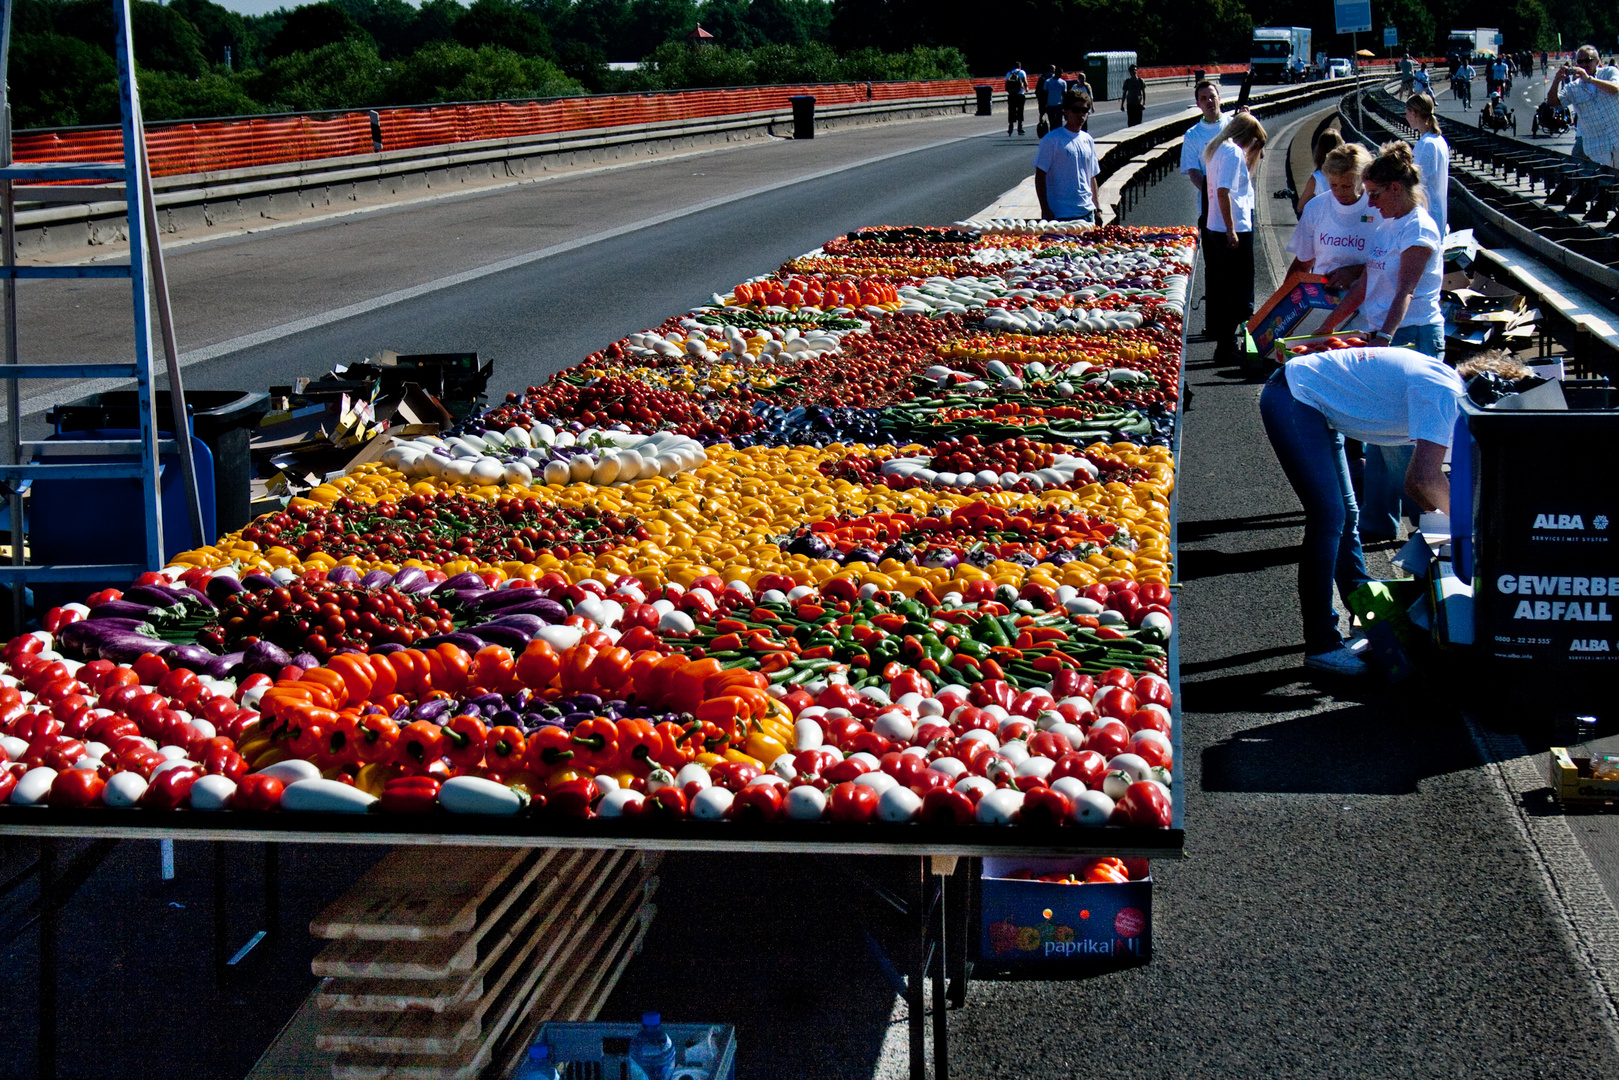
{"points": [[549, 749], [674, 752], [638, 745], [576, 669], [686, 685], [357, 674], [538, 665], [387, 681], [595, 743], [449, 666], [494, 669], [610, 670], [658, 680]]}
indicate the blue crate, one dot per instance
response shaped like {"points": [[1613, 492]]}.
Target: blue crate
{"points": [[601, 1051]]}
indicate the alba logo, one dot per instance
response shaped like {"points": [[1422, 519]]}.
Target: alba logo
{"points": [[1560, 521], [1589, 645]]}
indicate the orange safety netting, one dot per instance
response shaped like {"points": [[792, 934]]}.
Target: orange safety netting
{"points": [[216, 145]]}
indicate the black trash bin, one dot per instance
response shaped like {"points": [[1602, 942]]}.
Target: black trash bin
{"points": [[803, 116], [986, 95], [223, 419], [1198, 75], [1541, 540]]}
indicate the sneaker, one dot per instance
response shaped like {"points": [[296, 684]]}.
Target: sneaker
{"points": [[1358, 644], [1339, 661]]}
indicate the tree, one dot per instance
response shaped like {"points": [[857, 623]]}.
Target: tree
{"points": [[344, 74], [391, 24], [164, 39], [61, 81], [447, 71], [313, 27], [173, 97], [503, 24], [220, 28]]}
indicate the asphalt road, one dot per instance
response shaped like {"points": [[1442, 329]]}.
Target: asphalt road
{"points": [[1358, 899]]}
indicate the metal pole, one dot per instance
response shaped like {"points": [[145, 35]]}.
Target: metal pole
{"points": [[45, 1037], [134, 199], [8, 229], [941, 1018], [915, 997], [171, 352]]}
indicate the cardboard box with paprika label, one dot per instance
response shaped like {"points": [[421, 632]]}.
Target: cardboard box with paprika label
{"points": [[1027, 924]]}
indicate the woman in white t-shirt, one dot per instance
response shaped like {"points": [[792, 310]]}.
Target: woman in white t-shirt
{"points": [[1325, 143], [1432, 158], [1335, 230], [1309, 406], [1229, 161], [1398, 302]]}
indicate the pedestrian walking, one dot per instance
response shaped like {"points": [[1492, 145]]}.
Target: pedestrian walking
{"points": [[1133, 98], [1066, 164], [1380, 396], [1397, 302], [1498, 76], [1229, 161], [1017, 88], [1594, 93], [1421, 82], [1052, 88], [1432, 157], [1461, 84]]}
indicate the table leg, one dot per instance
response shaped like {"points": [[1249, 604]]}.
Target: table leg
{"points": [[915, 997], [46, 1034]]}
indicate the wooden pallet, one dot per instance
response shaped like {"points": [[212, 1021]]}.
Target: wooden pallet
{"points": [[418, 893], [551, 986], [434, 957], [571, 873], [447, 1032]]}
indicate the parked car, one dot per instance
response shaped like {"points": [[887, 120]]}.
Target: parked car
{"points": [[1338, 68]]}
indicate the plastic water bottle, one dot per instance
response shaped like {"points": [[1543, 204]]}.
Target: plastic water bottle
{"points": [[652, 1052], [538, 1066]]}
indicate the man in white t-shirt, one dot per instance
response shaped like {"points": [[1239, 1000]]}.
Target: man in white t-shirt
{"points": [[1197, 139], [1066, 164], [1594, 93]]}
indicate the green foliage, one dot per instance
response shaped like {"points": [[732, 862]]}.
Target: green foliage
{"points": [[174, 97], [447, 71], [341, 75], [310, 28], [60, 81], [219, 28], [503, 24]]}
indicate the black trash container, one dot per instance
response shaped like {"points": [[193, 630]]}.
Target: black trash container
{"points": [[223, 419], [803, 116], [1543, 546], [1198, 75], [986, 95]]}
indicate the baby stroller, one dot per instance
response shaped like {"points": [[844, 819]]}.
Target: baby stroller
{"points": [[1550, 119], [1495, 116]]}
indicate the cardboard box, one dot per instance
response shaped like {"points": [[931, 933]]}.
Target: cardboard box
{"points": [[1027, 924], [1574, 785], [1479, 295], [1288, 306], [1284, 346]]}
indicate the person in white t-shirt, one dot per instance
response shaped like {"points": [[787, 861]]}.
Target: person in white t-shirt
{"points": [[1337, 227], [1432, 158], [1398, 302], [1309, 406], [1197, 140], [1593, 91], [1228, 273], [1066, 164]]}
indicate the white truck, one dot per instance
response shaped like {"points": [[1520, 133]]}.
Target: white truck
{"points": [[1473, 46], [1280, 53]]}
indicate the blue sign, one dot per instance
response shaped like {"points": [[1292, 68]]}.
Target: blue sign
{"points": [[1353, 16], [1391, 37]]}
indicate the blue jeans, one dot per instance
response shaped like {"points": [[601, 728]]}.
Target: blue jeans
{"points": [[1312, 456], [1384, 483]]}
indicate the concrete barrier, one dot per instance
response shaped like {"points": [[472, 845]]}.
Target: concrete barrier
{"points": [[238, 197]]}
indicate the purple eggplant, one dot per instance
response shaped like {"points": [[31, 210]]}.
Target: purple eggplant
{"points": [[464, 580], [529, 624], [120, 609], [86, 637], [222, 587], [343, 575], [156, 595], [498, 634], [387, 647], [496, 599], [376, 579], [220, 667], [256, 582], [305, 661], [435, 710], [470, 642], [190, 657], [810, 546], [265, 658], [412, 579], [548, 611]]}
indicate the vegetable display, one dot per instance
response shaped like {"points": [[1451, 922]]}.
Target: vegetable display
{"points": [[881, 538]]}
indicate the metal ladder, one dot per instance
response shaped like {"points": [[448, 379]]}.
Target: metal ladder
{"points": [[146, 273]]}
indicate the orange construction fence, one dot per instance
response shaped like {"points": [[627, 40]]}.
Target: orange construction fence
{"points": [[244, 142]]}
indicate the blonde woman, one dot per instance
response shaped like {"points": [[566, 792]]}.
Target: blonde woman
{"points": [[1228, 164], [1326, 143], [1336, 228], [1432, 157]]}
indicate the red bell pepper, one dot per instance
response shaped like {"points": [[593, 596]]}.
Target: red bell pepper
{"points": [[409, 794], [595, 744], [465, 738]]}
